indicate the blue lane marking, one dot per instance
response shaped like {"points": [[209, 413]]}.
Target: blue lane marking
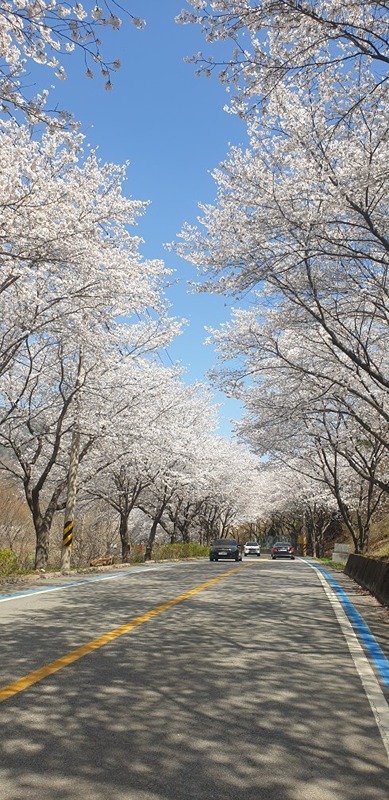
{"points": [[46, 589], [360, 626]]}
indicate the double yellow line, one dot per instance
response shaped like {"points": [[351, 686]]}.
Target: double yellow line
{"points": [[49, 669]]}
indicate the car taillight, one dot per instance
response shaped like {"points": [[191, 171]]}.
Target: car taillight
{"points": [[291, 549]]}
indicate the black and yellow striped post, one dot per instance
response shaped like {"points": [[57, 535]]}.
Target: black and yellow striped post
{"points": [[67, 540]]}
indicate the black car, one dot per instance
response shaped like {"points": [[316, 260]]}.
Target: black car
{"points": [[282, 550], [225, 548]]}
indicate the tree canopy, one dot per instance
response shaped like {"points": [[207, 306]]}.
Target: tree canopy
{"points": [[298, 234]]}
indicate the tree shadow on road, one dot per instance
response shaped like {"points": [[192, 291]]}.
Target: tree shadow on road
{"points": [[244, 691]]}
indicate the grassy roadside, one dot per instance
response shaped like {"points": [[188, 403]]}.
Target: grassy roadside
{"points": [[327, 562], [10, 569]]}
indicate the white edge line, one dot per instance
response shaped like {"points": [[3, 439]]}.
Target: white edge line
{"points": [[369, 681], [71, 585]]}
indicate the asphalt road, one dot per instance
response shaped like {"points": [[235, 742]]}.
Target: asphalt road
{"points": [[162, 683]]}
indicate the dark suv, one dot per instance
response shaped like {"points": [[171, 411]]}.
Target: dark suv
{"points": [[225, 548]]}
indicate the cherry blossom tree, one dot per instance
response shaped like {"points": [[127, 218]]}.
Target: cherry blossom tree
{"points": [[319, 450], [37, 434], [294, 43], [165, 460], [298, 232], [223, 495], [303, 404], [182, 439], [316, 266], [306, 227], [127, 459], [47, 32], [74, 287], [295, 505], [295, 373], [67, 257]]}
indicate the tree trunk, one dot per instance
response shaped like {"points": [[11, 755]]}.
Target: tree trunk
{"points": [[313, 532], [151, 539], [43, 521], [153, 530], [124, 537], [42, 531]]}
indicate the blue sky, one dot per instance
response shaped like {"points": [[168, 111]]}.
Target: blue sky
{"points": [[172, 128]]}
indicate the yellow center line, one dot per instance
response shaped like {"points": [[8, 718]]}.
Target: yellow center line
{"points": [[49, 669]]}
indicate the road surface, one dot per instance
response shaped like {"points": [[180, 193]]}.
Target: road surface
{"points": [[194, 681]]}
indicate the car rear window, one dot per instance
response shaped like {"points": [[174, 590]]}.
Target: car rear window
{"points": [[225, 542]]}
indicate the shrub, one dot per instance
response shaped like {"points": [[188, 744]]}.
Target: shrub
{"points": [[9, 564], [137, 555], [176, 552]]}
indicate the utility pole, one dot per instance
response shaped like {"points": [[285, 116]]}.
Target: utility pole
{"points": [[67, 540]]}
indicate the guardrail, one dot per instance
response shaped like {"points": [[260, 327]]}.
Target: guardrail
{"points": [[370, 573]]}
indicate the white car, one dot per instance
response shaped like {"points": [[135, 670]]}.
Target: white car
{"points": [[252, 549]]}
